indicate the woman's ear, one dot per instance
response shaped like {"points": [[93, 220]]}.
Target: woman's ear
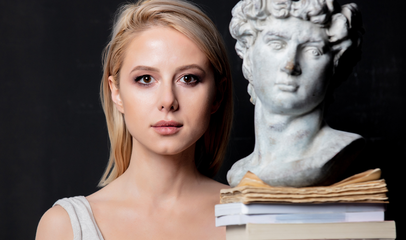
{"points": [[115, 94], [221, 88]]}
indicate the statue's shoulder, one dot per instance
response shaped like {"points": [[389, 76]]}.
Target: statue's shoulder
{"points": [[238, 170], [336, 138], [330, 142]]}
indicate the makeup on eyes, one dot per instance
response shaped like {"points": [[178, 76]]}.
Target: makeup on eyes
{"points": [[144, 79], [189, 79]]}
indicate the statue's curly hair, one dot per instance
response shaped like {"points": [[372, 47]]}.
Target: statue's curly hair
{"points": [[343, 26]]}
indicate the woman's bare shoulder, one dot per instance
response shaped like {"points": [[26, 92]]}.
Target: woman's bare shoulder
{"points": [[55, 224], [216, 186], [212, 189]]}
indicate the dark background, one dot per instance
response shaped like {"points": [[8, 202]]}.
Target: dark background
{"points": [[53, 138]]}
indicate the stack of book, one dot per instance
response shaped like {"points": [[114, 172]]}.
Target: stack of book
{"points": [[350, 209], [305, 231]]}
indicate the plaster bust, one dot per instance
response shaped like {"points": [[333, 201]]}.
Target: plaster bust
{"points": [[295, 53]]}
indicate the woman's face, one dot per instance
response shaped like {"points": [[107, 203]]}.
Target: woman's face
{"points": [[166, 91]]}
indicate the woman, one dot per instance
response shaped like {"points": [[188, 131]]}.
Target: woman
{"points": [[166, 93]]}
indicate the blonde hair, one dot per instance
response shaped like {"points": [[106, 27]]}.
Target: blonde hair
{"points": [[193, 23]]}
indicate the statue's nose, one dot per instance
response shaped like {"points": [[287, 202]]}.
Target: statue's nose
{"points": [[292, 67]]}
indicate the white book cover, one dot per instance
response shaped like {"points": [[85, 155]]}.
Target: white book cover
{"points": [[240, 208], [239, 219], [382, 230]]}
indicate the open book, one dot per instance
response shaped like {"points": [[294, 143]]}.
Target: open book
{"points": [[366, 187]]}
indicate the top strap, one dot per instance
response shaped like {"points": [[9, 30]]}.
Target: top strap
{"points": [[81, 216]]}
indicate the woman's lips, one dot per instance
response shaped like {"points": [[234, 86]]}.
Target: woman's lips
{"points": [[167, 127]]}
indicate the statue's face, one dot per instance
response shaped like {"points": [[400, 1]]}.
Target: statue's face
{"points": [[291, 65]]}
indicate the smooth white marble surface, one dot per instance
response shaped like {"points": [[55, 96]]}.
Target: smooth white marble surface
{"points": [[290, 52]]}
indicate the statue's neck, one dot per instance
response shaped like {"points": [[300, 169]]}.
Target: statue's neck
{"points": [[285, 138]]}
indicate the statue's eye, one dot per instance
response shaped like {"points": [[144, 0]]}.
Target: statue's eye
{"points": [[276, 45], [314, 51]]}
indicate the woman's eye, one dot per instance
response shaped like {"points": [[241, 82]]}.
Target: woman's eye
{"points": [[189, 79], [145, 79]]}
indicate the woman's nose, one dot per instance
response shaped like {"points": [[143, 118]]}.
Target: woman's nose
{"points": [[291, 65], [167, 98]]}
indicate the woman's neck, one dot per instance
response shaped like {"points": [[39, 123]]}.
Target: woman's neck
{"points": [[159, 177]]}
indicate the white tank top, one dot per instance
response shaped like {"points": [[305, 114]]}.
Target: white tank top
{"points": [[81, 217]]}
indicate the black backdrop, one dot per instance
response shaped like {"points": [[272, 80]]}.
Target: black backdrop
{"points": [[53, 138]]}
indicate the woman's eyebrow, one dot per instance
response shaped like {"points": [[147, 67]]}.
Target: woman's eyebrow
{"points": [[186, 67], [145, 68]]}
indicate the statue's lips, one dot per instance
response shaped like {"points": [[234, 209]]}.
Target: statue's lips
{"points": [[287, 87]]}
